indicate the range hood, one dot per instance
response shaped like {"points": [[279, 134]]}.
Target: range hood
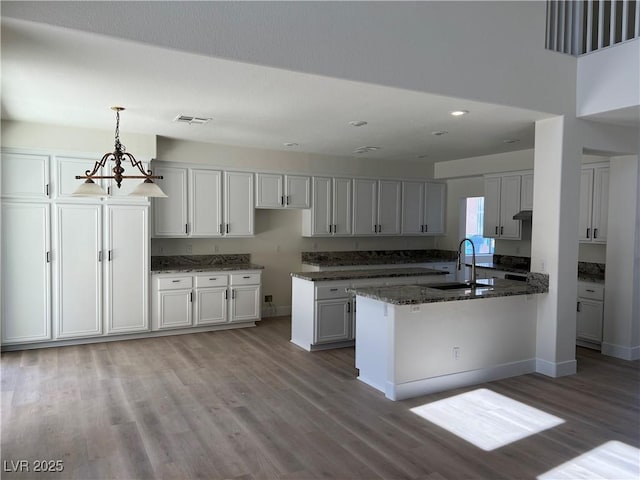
{"points": [[523, 215]]}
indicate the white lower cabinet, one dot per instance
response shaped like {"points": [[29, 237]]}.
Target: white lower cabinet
{"points": [[590, 309], [205, 299], [26, 272], [333, 321]]}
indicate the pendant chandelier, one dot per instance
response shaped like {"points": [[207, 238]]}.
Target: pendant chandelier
{"points": [[91, 189]]}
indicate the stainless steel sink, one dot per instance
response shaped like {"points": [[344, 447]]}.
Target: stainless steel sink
{"points": [[484, 283]]}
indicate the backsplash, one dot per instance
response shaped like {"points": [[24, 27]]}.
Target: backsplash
{"points": [[372, 257], [510, 261], [197, 261], [591, 271]]}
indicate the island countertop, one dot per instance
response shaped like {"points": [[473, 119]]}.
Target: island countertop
{"points": [[488, 288], [367, 273]]}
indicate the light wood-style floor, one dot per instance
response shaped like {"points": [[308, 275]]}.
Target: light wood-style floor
{"points": [[248, 404]]}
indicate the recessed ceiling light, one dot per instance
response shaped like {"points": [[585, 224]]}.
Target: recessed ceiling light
{"points": [[290, 144], [511, 140], [439, 133], [357, 123], [457, 113]]}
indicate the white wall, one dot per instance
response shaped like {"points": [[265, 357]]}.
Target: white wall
{"points": [[80, 140], [608, 79], [486, 51], [622, 288]]}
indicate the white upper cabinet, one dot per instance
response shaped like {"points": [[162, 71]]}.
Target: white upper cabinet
{"points": [[526, 197], [594, 204], [26, 272], [170, 213], [330, 214], [65, 183], [282, 191], [502, 198], [238, 204], [205, 195], [423, 208], [25, 176], [203, 202], [376, 207]]}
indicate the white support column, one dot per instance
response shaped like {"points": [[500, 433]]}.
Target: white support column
{"points": [[554, 241], [621, 332]]}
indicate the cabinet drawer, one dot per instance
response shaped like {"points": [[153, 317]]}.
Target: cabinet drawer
{"points": [[245, 278], [175, 283], [326, 292], [211, 280], [591, 290]]}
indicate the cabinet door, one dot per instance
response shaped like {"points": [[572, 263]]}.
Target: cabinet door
{"points": [[127, 268], [389, 206], [245, 303], [211, 305], [600, 204], [333, 321], [586, 198], [78, 266], [413, 206], [66, 183], [269, 192], [526, 198], [174, 308], [25, 176], [205, 206], [509, 206], [170, 213], [26, 272], [491, 225], [321, 213], [589, 320], [342, 206], [434, 210], [239, 204], [297, 191], [365, 211]]}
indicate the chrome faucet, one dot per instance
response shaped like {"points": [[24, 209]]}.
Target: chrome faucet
{"points": [[473, 259]]}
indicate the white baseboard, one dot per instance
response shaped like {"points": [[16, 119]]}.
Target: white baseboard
{"points": [[556, 369], [457, 380], [619, 351]]}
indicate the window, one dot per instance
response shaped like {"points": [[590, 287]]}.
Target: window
{"points": [[474, 218]]}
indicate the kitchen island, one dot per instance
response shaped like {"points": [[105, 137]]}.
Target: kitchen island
{"points": [[413, 340]]}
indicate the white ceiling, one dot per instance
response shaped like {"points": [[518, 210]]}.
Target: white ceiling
{"points": [[66, 77]]}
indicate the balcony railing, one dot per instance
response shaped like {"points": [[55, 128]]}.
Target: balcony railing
{"points": [[579, 27]]}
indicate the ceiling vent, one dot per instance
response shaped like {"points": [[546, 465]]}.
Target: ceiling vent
{"points": [[191, 120]]}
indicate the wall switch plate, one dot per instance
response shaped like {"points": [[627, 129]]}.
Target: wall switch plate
{"points": [[456, 353]]}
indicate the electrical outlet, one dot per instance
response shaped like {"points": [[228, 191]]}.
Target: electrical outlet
{"points": [[189, 248], [268, 298], [456, 353]]}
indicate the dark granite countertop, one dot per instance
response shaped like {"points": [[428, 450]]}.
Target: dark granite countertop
{"points": [[376, 257], [366, 273], [210, 268], [490, 288]]}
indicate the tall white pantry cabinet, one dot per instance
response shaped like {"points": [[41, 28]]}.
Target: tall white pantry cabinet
{"points": [[72, 267]]}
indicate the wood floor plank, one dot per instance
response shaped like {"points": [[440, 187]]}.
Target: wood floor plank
{"points": [[247, 404]]}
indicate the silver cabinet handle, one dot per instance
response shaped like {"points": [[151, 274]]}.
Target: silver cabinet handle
{"points": [[186, 228], [422, 228], [348, 307], [99, 255], [496, 229], [578, 307], [426, 228], [588, 231], [226, 294], [48, 257], [214, 278], [108, 190], [247, 276], [288, 202], [191, 296], [333, 289], [330, 227], [233, 293], [110, 256], [595, 233], [589, 290], [227, 228], [220, 229], [46, 189], [501, 230], [282, 200], [176, 281]]}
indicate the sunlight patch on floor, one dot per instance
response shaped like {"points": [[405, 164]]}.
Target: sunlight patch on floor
{"points": [[610, 460], [487, 419]]}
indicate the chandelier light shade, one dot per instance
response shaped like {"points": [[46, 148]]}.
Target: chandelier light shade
{"points": [[91, 189]]}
